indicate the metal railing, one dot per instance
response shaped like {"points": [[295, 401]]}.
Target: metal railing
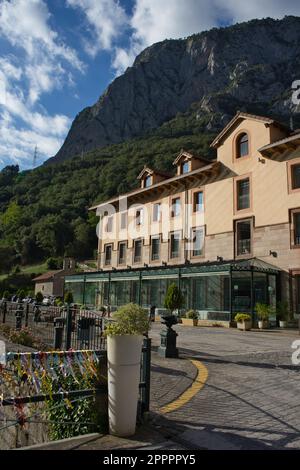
{"points": [[58, 327]]}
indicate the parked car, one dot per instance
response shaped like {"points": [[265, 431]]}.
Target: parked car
{"points": [[46, 301]]}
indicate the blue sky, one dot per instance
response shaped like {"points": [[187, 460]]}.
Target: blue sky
{"points": [[58, 56]]}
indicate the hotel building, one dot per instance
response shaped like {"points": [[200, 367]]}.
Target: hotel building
{"points": [[227, 230]]}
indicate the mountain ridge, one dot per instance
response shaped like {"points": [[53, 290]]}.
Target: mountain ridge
{"points": [[247, 66]]}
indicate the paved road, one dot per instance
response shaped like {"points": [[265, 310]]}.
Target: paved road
{"points": [[251, 399]]}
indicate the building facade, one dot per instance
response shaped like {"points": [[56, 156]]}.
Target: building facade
{"points": [[227, 230]]}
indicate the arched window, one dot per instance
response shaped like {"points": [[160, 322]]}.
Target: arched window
{"points": [[242, 146]]}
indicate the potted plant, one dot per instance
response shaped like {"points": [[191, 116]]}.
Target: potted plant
{"points": [[283, 314], [243, 321], [124, 346], [174, 299], [190, 318], [263, 312]]}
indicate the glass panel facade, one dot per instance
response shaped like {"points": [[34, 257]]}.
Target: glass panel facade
{"points": [[241, 292], [91, 293], [209, 293], [154, 291], [123, 292], [77, 290]]}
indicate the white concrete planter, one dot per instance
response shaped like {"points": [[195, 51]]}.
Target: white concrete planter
{"points": [[283, 324], [244, 325], [124, 361], [263, 324]]}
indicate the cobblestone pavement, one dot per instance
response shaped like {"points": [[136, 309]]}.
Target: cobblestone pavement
{"points": [[251, 399]]}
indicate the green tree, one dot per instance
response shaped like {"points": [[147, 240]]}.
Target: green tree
{"points": [[174, 299], [39, 297], [68, 298]]}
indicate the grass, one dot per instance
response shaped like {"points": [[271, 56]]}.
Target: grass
{"points": [[34, 268]]}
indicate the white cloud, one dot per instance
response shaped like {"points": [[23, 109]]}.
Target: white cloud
{"points": [[43, 64], [244, 11], [156, 20], [107, 18]]}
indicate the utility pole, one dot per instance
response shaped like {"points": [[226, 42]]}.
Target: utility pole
{"points": [[35, 156]]}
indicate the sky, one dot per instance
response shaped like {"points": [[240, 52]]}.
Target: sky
{"points": [[58, 56]]}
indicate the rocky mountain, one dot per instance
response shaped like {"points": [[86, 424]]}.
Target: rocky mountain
{"points": [[206, 77]]}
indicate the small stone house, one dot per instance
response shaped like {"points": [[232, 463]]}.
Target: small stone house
{"points": [[52, 282]]}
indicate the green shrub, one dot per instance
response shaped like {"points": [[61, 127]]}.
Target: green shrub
{"points": [[282, 310], [130, 319], [21, 293], [263, 311], [6, 295], [192, 315], [5, 330], [241, 317], [39, 297], [174, 299], [68, 298], [23, 336]]}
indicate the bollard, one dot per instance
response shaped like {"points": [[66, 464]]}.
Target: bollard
{"points": [[168, 338], [4, 310], [58, 332], [26, 314], [19, 316]]}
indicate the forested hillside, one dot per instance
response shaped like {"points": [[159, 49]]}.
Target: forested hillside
{"points": [[44, 212]]}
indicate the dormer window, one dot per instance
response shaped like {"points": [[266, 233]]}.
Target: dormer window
{"points": [[242, 145], [185, 167], [148, 181]]}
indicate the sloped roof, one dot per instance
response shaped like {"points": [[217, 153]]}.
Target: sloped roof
{"points": [[150, 171], [288, 141], [48, 275], [239, 117], [184, 153]]}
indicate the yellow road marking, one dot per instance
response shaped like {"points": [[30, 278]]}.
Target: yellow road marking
{"points": [[186, 396]]}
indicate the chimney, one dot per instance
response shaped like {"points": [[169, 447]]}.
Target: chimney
{"points": [[69, 264]]}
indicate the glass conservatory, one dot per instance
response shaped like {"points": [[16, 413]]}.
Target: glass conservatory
{"points": [[216, 290]]}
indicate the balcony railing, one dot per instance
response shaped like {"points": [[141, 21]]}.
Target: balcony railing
{"points": [[174, 254], [137, 259], [155, 256], [297, 240], [244, 247]]}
